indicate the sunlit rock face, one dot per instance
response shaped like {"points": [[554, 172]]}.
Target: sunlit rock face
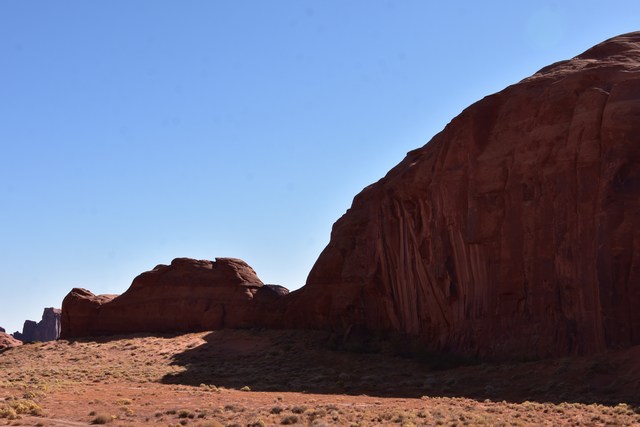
{"points": [[515, 232], [187, 295], [80, 310]]}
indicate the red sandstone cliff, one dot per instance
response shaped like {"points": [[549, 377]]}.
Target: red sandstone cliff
{"points": [[515, 232], [80, 312], [188, 295]]}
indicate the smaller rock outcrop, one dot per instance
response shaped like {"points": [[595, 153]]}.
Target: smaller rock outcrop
{"points": [[79, 311], [47, 329], [7, 341], [187, 295], [2, 329]]}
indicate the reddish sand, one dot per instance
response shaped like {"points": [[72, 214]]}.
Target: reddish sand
{"points": [[277, 377]]}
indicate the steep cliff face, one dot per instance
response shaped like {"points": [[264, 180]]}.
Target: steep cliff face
{"points": [[188, 295], [80, 310], [512, 233]]}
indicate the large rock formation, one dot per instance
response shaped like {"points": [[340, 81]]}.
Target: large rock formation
{"points": [[7, 341], [515, 232], [47, 329], [188, 295], [512, 234]]}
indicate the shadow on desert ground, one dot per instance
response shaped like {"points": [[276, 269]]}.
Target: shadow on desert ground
{"points": [[265, 377], [295, 361]]}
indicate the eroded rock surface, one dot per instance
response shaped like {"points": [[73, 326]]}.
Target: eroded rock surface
{"points": [[188, 295], [80, 311], [513, 233]]}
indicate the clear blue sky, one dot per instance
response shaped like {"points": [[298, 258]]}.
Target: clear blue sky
{"points": [[134, 132]]}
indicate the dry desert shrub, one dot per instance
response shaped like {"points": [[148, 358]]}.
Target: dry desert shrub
{"points": [[211, 423], [8, 413], [102, 419], [290, 419], [184, 413], [19, 407], [124, 402]]}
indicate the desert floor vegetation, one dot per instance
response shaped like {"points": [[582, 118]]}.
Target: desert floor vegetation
{"points": [[266, 378]]}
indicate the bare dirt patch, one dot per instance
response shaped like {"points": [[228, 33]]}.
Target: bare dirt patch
{"points": [[254, 378]]}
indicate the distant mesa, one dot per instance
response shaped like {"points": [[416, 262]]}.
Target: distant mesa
{"points": [[187, 295], [47, 329], [513, 233]]}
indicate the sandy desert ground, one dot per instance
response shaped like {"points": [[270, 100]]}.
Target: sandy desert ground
{"points": [[262, 378]]}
